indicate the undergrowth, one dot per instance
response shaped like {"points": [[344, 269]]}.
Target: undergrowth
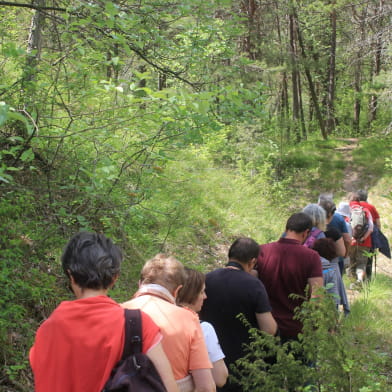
{"points": [[333, 354]]}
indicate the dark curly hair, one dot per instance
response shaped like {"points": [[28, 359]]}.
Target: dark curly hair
{"points": [[92, 260]]}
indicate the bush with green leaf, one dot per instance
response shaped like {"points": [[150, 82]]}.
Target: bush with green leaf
{"points": [[329, 356]]}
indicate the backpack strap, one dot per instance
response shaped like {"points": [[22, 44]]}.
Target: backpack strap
{"points": [[133, 332]]}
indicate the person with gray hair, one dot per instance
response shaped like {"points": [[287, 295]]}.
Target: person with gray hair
{"points": [[318, 216]]}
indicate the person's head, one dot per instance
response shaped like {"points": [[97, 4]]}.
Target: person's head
{"points": [[244, 250], [362, 194], [164, 270], [317, 215], [192, 293], [325, 196], [91, 260], [344, 209], [354, 196], [299, 223], [329, 207], [325, 247]]}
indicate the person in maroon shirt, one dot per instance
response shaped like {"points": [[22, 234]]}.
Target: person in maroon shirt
{"points": [[286, 267]]}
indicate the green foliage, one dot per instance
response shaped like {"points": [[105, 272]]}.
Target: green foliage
{"points": [[27, 281], [332, 354]]}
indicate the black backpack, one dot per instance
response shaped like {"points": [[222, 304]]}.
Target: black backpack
{"points": [[135, 371]]}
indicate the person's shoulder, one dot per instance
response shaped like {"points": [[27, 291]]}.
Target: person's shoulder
{"points": [[214, 274], [308, 253], [186, 313], [337, 218], [370, 207], [207, 327], [333, 232], [274, 246], [133, 303], [272, 243]]}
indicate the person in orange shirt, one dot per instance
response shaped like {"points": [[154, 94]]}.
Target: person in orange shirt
{"points": [[191, 297], [183, 342], [76, 348]]}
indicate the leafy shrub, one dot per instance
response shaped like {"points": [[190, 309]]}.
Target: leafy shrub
{"points": [[27, 285], [329, 356]]}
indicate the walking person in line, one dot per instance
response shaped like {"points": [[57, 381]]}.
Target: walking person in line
{"points": [[361, 242], [363, 201], [77, 347], [287, 267], [192, 296], [232, 291], [161, 279]]}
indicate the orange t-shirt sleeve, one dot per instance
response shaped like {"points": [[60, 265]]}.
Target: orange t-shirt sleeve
{"points": [[199, 355], [150, 331]]}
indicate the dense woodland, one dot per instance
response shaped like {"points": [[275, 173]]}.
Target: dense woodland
{"points": [[173, 126]]}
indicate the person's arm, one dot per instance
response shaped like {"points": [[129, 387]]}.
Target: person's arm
{"points": [[314, 284], [340, 247], [370, 227], [266, 323], [377, 222], [219, 372], [202, 378], [162, 364], [347, 242]]}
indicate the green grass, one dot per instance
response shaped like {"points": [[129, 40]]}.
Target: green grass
{"points": [[372, 310]]}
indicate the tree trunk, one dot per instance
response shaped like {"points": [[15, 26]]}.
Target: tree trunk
{"points": [[301, 110], [294, 75], [312, 89], [248, 8], [330, 122], [34, 42], [358, 74], [376, 66]]}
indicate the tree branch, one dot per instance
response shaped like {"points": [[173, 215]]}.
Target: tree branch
{"points": [[32, 6]]}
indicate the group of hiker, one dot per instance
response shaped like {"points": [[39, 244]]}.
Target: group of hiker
{"points": [[191, 331]]}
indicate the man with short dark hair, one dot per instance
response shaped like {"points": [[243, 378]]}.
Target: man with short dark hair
{"points": [[232, 291], [287, 267]]}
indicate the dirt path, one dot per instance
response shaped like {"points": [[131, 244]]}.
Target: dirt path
{"points": [[352, 178]]}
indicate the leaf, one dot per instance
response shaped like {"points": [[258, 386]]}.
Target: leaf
{"points": [[27, 155]]}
